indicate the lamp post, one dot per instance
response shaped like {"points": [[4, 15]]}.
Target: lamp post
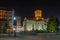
{"points": [[14, 29], [14, 32]]}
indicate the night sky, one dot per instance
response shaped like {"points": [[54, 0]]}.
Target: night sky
{"points": [[26, 8]]}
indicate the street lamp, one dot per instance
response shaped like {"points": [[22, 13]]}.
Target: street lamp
{"points": [[14, 26], [14, 31], [14, 18]]}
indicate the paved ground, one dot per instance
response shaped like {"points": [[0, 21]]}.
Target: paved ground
{"points": [[41, 37]]}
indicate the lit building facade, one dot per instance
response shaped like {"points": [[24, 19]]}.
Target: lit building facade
{"points": [[37, 23], [8, 15], [18, 21], [19, 28]]}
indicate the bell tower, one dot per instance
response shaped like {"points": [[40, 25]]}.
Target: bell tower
{"points": [[38, 14]]}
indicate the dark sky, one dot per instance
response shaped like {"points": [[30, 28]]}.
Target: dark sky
{"points": [[26, 8]]}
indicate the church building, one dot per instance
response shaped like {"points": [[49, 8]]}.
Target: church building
{"points": [[36, 23]]}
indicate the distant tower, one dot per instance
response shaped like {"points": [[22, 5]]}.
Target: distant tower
{"points": [[18, 21], [38, 14], [18, 27]]}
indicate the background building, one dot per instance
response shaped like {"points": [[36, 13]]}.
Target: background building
{"points": [[18, 21], [7, 14], [19, 27]]}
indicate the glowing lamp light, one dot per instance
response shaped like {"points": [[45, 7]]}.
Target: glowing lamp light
{"points": [[59, 27], [37, 18], [14, 29], [14, 18]]}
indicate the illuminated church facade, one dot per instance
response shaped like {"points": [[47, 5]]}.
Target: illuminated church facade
{"points": [[36, 23]]}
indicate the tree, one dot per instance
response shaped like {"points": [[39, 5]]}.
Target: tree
{"points": [[52, 24], [57, 24]]}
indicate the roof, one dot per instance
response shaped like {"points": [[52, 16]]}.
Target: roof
{"points": [[8, 9]]}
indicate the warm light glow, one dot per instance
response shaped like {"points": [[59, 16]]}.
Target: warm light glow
{"points": [[42, 18], [38, 13], [29, 28], [8, 30], [37, 18], [14, 29], [2, 13]]}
